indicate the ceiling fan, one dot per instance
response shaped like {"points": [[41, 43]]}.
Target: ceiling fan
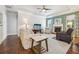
{"points": [[44, 9]]}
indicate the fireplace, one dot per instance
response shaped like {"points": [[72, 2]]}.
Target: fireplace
{"points": [[57, 29]]}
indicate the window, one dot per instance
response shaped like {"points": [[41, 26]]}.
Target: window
{"points": [[70, 21], [57, 21], [49, 23]]}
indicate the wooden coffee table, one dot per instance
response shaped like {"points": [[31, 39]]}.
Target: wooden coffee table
{"points": [[39, 40]]}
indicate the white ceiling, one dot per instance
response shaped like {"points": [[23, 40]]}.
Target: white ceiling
{"points": [[55, 8]]}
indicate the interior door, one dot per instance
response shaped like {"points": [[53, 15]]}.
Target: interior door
{"points": [[12, 23]]}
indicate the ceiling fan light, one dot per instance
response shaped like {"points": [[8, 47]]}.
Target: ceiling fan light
{"points": [[43, 10]]}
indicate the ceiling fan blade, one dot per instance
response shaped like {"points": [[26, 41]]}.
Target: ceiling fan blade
{"points": [[47, 9], [44, 9], [38, 8]]}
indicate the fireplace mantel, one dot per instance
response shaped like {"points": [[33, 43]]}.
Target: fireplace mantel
{"points": [[57, 25]]}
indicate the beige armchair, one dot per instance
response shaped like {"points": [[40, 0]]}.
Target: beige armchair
{"points": [[47, 31], [25, 37]]}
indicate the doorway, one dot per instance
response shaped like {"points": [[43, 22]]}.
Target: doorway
{"points": [[12, 23]]}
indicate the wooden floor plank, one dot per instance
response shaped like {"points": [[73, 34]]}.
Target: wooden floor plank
{"points": [[12, 45]]}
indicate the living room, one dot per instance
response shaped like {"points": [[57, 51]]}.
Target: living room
{"points": [[36, 21]]}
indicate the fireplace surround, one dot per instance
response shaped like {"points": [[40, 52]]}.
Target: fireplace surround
{"points": [[57, 27]]}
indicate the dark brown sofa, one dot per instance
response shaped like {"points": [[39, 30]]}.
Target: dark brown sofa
{"points": [[65, 36]]}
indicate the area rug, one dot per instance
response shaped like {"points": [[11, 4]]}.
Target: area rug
{"points": [[55, 46]]}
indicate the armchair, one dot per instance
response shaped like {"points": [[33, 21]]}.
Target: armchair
{"points": [[65, 36]]}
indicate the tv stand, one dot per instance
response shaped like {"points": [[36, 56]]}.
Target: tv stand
{"points": [[35, 31]]}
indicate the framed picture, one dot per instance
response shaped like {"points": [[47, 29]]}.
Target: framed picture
{"points": [[58, 21]]}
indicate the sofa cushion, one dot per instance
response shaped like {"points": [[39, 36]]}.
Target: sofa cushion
{"points": [[64, 37]]}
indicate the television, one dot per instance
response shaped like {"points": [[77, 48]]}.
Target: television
{"points": [[37, 26]]}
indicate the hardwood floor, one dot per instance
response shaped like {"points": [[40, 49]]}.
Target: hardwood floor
{"points": [[74, 49], [12, 45]]}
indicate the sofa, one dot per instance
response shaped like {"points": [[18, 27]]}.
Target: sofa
{"points": [[25, 37], [65, 36]]}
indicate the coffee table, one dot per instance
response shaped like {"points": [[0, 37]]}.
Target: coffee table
{"points": [[39, 40]]}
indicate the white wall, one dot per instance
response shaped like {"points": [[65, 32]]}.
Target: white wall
{"points": [[30, 19]]}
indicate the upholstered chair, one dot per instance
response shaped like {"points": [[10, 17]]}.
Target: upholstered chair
{"points": [[65, 36]]}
